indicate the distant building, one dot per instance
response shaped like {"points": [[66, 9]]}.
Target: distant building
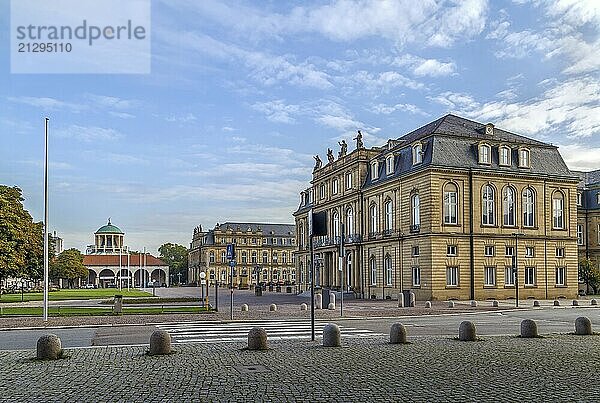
{"points": [[57, 243], [109, 262], [445, 211], [264, 254], [588, 216]]}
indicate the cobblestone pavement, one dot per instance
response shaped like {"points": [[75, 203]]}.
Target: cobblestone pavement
{"points": [[554, 368]]}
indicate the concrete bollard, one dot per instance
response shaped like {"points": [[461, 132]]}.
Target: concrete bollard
{"points": [[583, 326], [593, 302], [398, 334], [118, 305], [400, 301], [331, 306], [495, 303], [257, 339], [332, 298], [303, 307], [427, 304], [331, 335], [474, 304], [575, 302], [450, 304], [466, 331], [556, 303], [413, 299], [318, 301], [536, 303], [244, 307], [272, 308], [528, 329], [160, 343], [49, 347]]}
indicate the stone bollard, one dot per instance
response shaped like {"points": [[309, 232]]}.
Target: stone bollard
{"points": [[593, 302], [450, 304], [583, 326], [118, 304], [466, 331], [398, 334], [49, 347], [400, 301], [331, 306], [556, 302], [536, 303], [427, 304], [332, 299], [303, 307], [272, 308], [244, 307], [528, 329], [318, 301], [160, 343], [413, 299], [575, 302], [474, 304], [257, 339], [331, 335], [495, 303]]}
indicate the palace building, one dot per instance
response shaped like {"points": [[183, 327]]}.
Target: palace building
{"points": [[264, 254], [445, 211], [111, 264]]}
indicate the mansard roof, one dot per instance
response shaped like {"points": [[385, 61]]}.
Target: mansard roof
{"points": [[267, 229]]}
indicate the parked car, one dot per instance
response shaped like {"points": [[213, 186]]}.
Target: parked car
{"points": [[89, 286]]}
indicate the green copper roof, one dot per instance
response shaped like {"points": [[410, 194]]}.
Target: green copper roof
{"points": [[109, 229]]}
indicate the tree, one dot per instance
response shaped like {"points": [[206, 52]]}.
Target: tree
{"points": [[176, 257], [21, 239], [69, 265], [589, 273]]}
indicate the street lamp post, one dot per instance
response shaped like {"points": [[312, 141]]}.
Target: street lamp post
{"points": [[516, 265]]}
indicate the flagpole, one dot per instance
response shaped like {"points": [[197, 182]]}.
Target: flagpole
{"points": [[46, 229]]}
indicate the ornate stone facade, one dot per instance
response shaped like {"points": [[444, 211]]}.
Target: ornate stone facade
{"points": [[438, 211]]}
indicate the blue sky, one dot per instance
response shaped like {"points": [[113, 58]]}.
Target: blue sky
{"points": [[242, 94]]}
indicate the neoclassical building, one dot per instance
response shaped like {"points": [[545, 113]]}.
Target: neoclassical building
{"points": [[445, 211], [110, 262], [588, 216], [264, 254]]}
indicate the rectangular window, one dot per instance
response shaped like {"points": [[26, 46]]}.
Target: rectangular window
{"points": [[489, 276], [334, 186], [450, 208], [560, 252], [349, 180], [529, 251], [452, 276], [598, 198], [509, 276], [561, 276], [557, 214], [416, 276], [489, 250], [254, 241], [510, 251], [529, 276], [415, 251], [451, 250], [505, 156], [579, 234], [598, 233], [322, 191], [579, 199]]}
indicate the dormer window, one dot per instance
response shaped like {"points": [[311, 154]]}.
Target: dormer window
{"points": [[374, 170], [389, 164], [598, 198], [524, 160], [484, 154], [504, 156], [302, 199], [417, 153]]}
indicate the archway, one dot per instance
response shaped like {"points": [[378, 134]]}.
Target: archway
{"points": [[159, 277], [92, 277], [106, 278]]}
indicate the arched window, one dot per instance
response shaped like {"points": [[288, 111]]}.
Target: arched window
{"points": [[415, 204], [450, 204], [417, 153], [528, 208], [373, 216], [389, 164], [254, 259], [373, 266], [558, 217], [508, 206], [374, 169], [388, 270], [336, 224], [350, 221], [389, 216], [485, 154], [488, 206]]}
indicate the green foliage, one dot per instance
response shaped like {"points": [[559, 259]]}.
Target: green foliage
{"points": [[589, 273], [69, 265], [176, 257], [21, 239]]}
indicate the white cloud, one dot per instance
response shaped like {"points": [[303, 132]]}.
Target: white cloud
{"points": [[382, 82], [580, 156], [455, 101], [111, 102], [121, 115], [87, 133], [388, 109], [425, 67], [277, 111], [48, 103], [187, 118]]}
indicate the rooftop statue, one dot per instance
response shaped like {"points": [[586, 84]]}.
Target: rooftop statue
{"points": [[318, 162], [359, 141], [343, 148], [330, 156]]}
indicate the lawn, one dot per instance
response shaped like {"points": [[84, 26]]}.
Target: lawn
{"points": [[81, 311], [79, 293]]}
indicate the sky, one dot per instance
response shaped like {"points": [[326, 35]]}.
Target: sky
{"points": [[242, 94]]}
